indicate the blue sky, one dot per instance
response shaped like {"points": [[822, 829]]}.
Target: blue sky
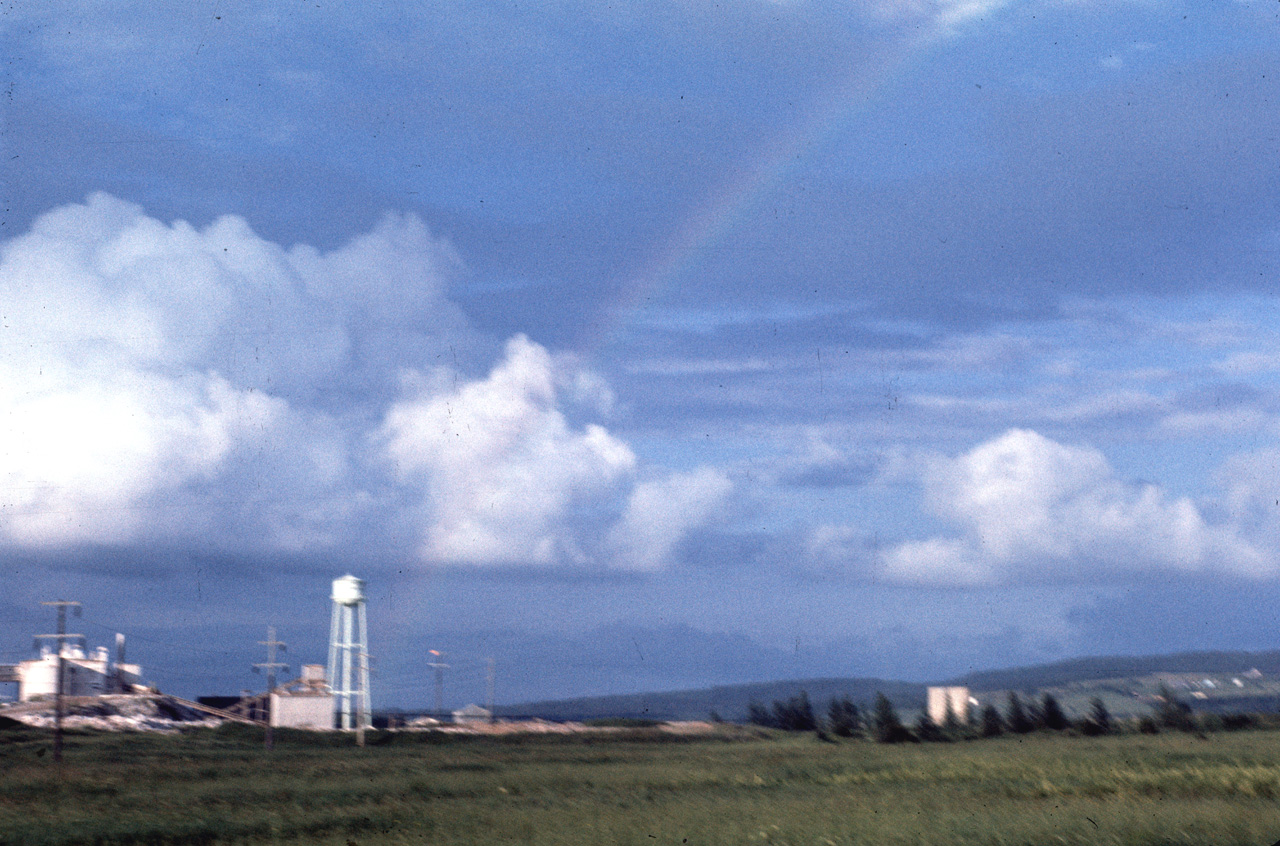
{"points": [[644, 344]]}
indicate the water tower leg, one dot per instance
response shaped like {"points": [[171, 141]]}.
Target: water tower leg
{"points": [[366, 712]]}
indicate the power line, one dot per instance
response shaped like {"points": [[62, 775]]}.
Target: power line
{"points": [[134, 635]]}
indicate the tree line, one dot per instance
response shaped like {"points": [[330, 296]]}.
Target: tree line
{"points": [[881, 723]]}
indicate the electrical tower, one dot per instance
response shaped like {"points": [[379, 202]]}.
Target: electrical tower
{"points": [[60, 638], [349, 652], [271, 665]]}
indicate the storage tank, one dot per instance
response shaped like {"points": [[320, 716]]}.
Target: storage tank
{"points": [[348, 590]]}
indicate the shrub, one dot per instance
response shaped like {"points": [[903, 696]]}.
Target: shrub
{"points": [[1236, 722]]}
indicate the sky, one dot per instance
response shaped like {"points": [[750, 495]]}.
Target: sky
{"points": [[640, 345]]}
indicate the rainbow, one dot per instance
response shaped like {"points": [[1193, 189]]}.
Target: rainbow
{"points": [[737, 196]]}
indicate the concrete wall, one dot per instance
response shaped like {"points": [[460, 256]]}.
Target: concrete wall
{"points": [[306, 711], [942, 697]]}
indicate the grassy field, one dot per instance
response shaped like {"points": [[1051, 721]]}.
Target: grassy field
{"points": [[220, 787]]}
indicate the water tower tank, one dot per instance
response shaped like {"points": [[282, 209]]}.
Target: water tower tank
{"points": [[348, 590]]}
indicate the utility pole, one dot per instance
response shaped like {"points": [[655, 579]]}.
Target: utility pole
{"points": [[271, 666], [60, 637], [490, 676], [439, 666]]}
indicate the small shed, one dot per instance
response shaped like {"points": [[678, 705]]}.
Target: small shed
{"points": [[306, 702]]}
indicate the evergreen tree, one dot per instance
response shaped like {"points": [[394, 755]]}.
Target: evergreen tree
{"points": [[1032, 708], [803, 709], [1016, 716], [1173, 713], [759, 715], [1051, 716], [951, 724], [794, 714], [888, 727], [1099, 719], [992, 724], [843, 717], [927, 730]]}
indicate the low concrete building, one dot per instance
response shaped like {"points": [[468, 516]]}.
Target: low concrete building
{"points": [[948, 699], [302, 710], [305, 703]]}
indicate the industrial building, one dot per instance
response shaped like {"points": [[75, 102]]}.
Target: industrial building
{"points": [[944, 700], [305, 703], [94, 674], [314, 700]]}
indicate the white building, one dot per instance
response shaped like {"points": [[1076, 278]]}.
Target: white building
{"points": [[948, 699], [82, 675], [305, 703]]}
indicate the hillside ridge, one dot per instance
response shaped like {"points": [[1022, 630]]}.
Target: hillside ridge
{"points": [[731, 702]]}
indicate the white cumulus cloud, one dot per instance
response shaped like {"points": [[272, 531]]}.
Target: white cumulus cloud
{"points": [[1027, 505], [501, 467], [661, 512], [91, 459], [163, 381]]}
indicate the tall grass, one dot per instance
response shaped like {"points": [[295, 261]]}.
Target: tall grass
{"points": [[216, 787]]}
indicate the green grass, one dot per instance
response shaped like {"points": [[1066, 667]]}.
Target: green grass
{"points": [[215, 787]]}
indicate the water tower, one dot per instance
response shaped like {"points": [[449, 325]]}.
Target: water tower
{"points": [[349, 651]]}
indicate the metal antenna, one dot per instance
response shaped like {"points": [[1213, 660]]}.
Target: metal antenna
{"points": [[271, 666], [439, 666], [117, 681], [490, 676], [61, 637]]}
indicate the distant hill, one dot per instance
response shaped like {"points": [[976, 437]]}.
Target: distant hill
{"points": [[731, 701], [1063, 673]]}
